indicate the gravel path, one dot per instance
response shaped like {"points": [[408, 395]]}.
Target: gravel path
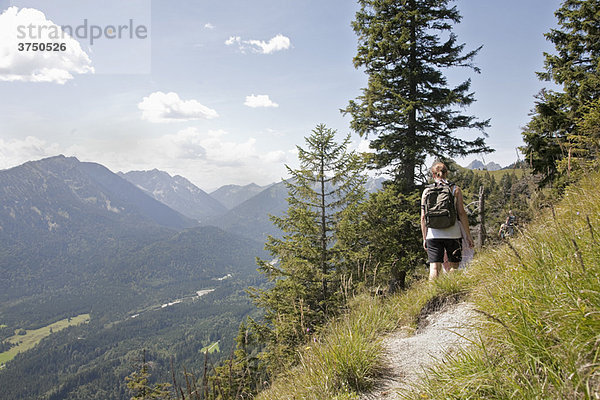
{"points": [[441, 332]]}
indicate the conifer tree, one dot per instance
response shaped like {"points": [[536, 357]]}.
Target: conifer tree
{"points": [[408, 106], [141, 388], [304, 270], [558, 133]]}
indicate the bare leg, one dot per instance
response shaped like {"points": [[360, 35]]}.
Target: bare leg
{"points": [[453, 266], [434, 270]]}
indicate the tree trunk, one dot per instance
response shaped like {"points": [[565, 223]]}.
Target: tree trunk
{"points": [[482, 235], [409, 162], [398, 281], [323, 232]]}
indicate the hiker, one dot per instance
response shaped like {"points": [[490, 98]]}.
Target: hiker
{"points": [[510, 223], [502, 232], [444, 221]]}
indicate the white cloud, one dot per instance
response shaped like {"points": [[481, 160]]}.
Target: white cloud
{"points": [[208, 25], [37, 66], [208, 158], [232, 40], [363, 147], [169, 107], [276, 43], [261, 100], [277, 156], [17, 151]]}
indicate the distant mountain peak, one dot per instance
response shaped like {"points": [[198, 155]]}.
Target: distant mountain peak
{"points": [[62, 195], [232, 196], [176, 192], [477, 164]]}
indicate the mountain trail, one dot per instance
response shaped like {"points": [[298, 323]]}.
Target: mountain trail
{"points": [[440, 333]]}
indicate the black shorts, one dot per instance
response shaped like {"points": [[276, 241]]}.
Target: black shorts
{"points": [[436, 248]]}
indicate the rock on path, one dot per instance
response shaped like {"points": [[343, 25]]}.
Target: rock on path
{"points": [[442, 332]]}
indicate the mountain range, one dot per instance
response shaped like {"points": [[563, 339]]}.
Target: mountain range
{"points": [[77, 239]]}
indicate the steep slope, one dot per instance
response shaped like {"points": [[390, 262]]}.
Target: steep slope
{"points": [[531, 324], [176, 192], [232, 196]]}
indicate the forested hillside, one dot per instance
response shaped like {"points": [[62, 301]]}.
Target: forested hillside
{"points": [[78, 239]]}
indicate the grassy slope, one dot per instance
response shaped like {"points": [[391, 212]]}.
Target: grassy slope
{"points": [[540, 296], [33, 337], [498, 174]]}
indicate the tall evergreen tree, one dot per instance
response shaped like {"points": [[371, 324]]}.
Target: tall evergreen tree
{"points": [[408, 106], [557, 132], [304, 267]]}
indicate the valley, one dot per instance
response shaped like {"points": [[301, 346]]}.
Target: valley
{"points": [[79, 240]]}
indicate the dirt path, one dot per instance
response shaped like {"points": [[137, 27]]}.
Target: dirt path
{"points": [[441, 332]]}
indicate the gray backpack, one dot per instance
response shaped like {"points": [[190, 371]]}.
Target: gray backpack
{"points": [[440, 211]]}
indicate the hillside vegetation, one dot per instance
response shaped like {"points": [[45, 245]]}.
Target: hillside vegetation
{"points": [[539, 297]]}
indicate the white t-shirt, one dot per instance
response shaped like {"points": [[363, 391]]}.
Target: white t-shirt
{"points": [[447, 233]]}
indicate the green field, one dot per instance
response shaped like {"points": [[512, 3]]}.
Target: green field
{"points": [[33, 337], [211, 349]]}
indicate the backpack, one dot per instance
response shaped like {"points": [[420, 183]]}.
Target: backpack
{"points": [[440, 211]]}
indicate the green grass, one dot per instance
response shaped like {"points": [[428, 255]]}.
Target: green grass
{"points": [[212, 348], [33, 337], [539, 300], [2, 326]]}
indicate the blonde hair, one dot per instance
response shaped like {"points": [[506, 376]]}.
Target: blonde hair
{"points": [[439, 170]]}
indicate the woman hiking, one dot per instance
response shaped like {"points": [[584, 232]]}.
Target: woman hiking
{"points": [[444, 221]]}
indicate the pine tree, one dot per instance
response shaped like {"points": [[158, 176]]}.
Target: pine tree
{"points": [[557, 136], [141, 388], [408, 105], [386, 245], [304, 270]]}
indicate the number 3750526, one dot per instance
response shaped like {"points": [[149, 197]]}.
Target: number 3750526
{"points": [[54, 46]]}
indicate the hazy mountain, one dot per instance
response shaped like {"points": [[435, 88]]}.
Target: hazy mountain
{"points": [[60, 195], [374, 184], [234, 195], [176, 192], [251, 218], [65, 224], [491, 166]]}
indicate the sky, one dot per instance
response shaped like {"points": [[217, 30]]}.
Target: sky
{"points": [[222, 92]]}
